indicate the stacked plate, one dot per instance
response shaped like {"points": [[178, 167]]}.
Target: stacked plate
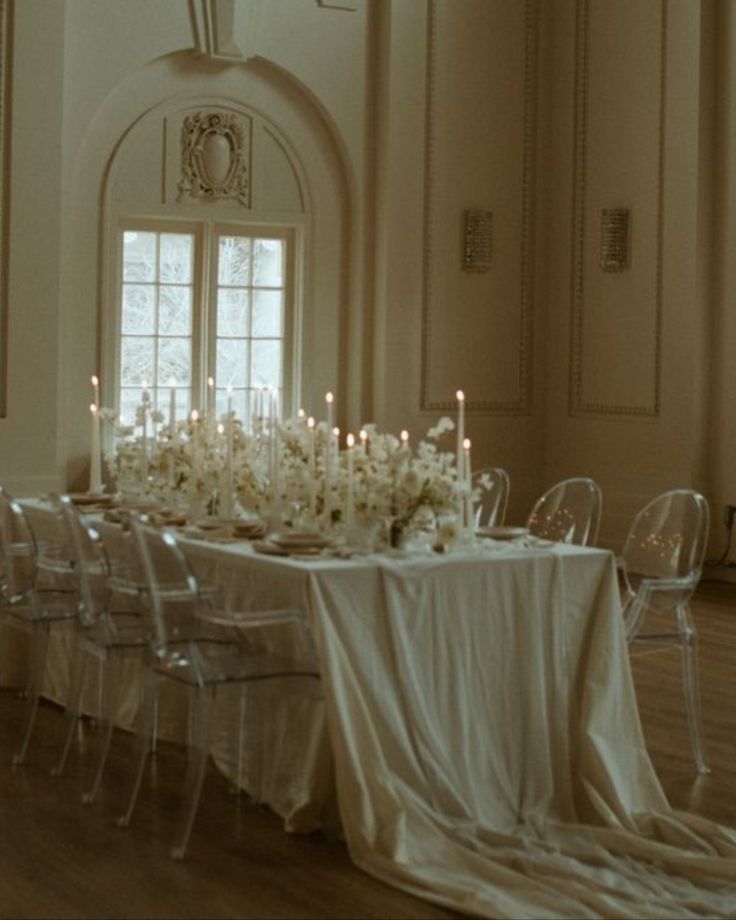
{"points": [[249, 530], [502, 533], [98, 499], [293, 543]]}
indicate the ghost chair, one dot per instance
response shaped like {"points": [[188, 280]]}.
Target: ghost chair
{"points": [[568, 512], [661, 565], [202, 649]]}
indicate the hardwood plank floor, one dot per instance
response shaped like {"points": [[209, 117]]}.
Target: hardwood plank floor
{"points": [[61, 859]]}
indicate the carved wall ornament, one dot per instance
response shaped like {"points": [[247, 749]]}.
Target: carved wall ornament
{"points": [[477, 240], [215, 157]]}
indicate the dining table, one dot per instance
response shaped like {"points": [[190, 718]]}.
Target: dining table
{"points": [[474, 734]]}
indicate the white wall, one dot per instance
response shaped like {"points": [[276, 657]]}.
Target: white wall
{"points": [[404, 113]]}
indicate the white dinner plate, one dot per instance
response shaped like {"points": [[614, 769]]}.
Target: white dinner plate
{"points": [[298, 541], [82, 499], [503, 533]]}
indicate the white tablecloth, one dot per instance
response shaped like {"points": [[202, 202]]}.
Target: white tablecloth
{"points": [[486, 741]]}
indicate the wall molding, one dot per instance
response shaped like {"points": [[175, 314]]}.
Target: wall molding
{"points": [[6, 22], [578, 405], [522, 405]]}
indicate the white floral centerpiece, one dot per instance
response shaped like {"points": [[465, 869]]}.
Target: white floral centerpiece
{"points": [[295, 473]]}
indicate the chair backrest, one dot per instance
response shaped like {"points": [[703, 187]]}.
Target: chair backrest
{"points": [[494, 485], [174, 599], [569, 512], [667, 538], [91, 565], [18, 552]]}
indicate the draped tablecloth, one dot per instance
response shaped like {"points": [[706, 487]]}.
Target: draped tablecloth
{"points": [[487, 748]]}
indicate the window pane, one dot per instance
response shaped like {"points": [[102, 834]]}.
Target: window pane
{"points": [[232, 312], [175, 311], [233, 265], [268, 263], [129, 401], [176, 258], [266, 358], [139, 309], [174, 360], [239, 403], [267, 313], [139, 256], [136, 361], [232, 362]]}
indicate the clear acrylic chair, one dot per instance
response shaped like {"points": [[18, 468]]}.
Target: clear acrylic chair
{"points": [[661, 564], [202, 649], [36, 592], [569, 512], [104, 634], [494, 485]]}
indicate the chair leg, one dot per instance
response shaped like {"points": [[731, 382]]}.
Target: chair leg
{"points": [[39, 643], [199, 748], [690, 685], [143, 742], [110, 681], [74, 704]]}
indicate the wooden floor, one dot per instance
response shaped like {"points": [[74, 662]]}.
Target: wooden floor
{"points": [[59, 858]]}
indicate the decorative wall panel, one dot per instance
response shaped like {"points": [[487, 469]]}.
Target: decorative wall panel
{"points": [[5, 95], [618, 163], [481, 101]]}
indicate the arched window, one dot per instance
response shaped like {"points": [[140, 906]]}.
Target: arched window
{"points": [[203, 301]]}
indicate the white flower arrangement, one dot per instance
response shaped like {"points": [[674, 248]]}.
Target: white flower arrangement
{"points": [[292, 466]]}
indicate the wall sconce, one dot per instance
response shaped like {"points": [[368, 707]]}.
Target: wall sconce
{"points": [[477, 240], [614, 239]]}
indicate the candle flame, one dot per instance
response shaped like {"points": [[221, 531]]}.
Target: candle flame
{"points": [[220, 428], [329, 398], [194, 415], [336, 432], [404, 436], [95, 380], [460, 396], [93, 408], [466, 444], [310, 422], [363, 434], [211, 382], [301, 413], [351, 440]]}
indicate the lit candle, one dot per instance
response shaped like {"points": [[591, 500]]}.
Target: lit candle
{"points": [[96, 390], [329, 401], [332, 439], [312, 491], [301, 415], [468, 515], [404, 436], [227, 503], [460, 431], [95, 468], [211, 394], [364, 441], [194, 418], [145, 399], [172, 405], [349, 507]]}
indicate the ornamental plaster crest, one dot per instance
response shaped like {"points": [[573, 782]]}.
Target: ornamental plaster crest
{"points": [[215, 157]]}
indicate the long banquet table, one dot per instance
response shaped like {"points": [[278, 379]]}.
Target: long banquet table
{"points": [[478, 724]]}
